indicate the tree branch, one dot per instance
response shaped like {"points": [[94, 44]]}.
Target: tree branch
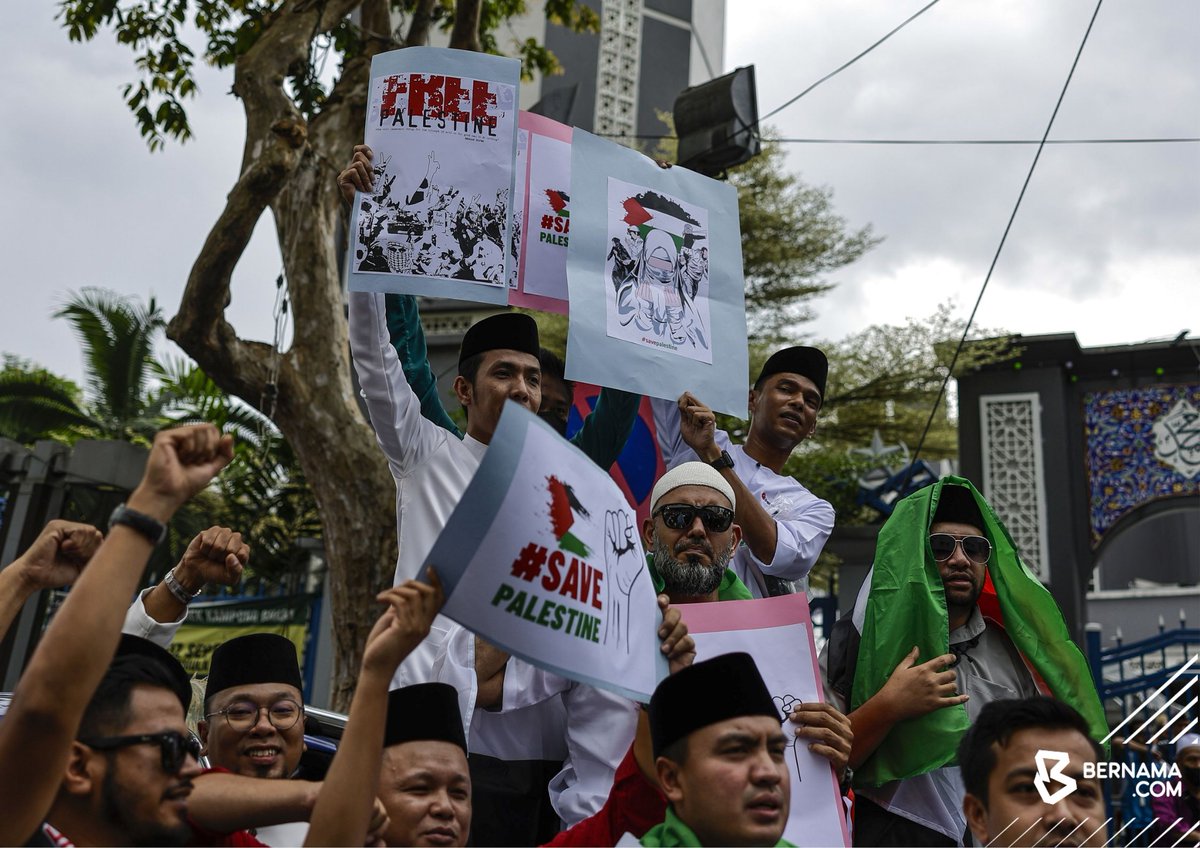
{"points": [[422, 20], [467, 16]]}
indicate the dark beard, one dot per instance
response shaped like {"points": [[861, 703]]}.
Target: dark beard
{"points": [[689, 577], [116, 809]]}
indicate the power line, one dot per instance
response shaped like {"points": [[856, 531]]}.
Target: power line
{"points": [[1004, 237], [847, 64], [946, 141]]}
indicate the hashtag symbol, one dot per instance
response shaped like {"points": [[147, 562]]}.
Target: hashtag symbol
{"points": [[529, 564], [547, 222]]}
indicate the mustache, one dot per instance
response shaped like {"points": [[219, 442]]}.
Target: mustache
{"points": [[702, 545]]}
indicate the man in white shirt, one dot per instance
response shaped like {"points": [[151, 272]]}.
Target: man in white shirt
{"points": [[784, 525]]}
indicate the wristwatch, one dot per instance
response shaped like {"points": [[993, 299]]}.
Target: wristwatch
{"points": [[722, 461], [151, 528], [178, 589]]}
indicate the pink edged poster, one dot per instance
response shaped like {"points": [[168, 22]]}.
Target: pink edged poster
{"points": [[544, 184]]}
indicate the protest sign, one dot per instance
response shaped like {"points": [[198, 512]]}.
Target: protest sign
{"points": [[443, 128], [778, 633], [542, 280], [654, 270], [542, 558]]}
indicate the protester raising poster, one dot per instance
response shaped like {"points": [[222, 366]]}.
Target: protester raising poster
{"points": [[542, 558], [546, 215], [654, 269], [443, 125], [778, 633]]}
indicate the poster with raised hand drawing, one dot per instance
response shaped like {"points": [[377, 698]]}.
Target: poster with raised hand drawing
{"points": [[778, 633], [546, 215], [542, 557], [443, 127], [654, 271]]}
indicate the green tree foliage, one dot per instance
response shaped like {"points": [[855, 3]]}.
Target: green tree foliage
{"points": [[36, 404], [162, 35]]}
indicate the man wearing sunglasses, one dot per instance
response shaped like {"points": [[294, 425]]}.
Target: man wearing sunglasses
{"points": [[131, 767], [937, 658], [784, 525]]}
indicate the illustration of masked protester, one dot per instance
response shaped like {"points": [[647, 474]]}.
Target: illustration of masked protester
{"points": [[660, 306]]}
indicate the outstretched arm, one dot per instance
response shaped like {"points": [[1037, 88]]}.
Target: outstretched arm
{"points": [[79, 644], [605, 432], [408, 338], [344, 809]]}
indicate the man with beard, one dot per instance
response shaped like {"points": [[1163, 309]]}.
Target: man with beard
{"points": [[690, 538], [940, 650]]}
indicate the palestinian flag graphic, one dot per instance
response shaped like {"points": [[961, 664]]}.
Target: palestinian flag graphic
{"points": [[564, 506]]}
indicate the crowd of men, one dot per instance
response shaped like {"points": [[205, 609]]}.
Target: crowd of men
{"points": [[951, 672]]}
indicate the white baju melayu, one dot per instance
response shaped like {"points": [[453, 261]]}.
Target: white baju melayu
{"points": [[803, 521], [432, 468], [139, 623]]}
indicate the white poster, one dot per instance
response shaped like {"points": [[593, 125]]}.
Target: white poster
{"points": [[777, 633], [442, 124], [657, 263], [542, 558]]}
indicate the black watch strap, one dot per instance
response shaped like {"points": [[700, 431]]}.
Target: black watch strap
{"points": [[148, 526], [722, 461]]}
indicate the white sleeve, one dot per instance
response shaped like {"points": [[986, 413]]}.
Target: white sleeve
{"points": [[600, 729], [526, 685], [799, 538], [670, 439], [139, 623], [455, 665], [406, 437]]}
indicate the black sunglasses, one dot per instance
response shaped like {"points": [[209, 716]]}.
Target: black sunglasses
{"points": [[173, 745], [680, 516], [977, 549]]}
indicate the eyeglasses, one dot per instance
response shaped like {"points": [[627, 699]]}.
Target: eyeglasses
{"points": [[680, 516], [173, 745], [243, 715], [976, 548]]}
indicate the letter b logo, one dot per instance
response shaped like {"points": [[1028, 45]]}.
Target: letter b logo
{"points": [[1060, 760]]}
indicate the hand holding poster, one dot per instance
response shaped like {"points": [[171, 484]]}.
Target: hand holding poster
{"points": [[777, 632], [654, 268], [442, 124], [542, 558]]}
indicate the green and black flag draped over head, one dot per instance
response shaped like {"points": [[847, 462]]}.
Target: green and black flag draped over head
{"points": [[907, 606]]}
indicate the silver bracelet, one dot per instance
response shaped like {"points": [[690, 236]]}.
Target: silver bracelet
{"points": [[176, 588]]}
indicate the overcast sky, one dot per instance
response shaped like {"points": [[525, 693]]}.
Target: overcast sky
{"points": [[1107, 243]]}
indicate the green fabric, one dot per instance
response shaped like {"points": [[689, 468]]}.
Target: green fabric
{"points": [[907, 606], [602, 436], [731, 588], [674, 832]]}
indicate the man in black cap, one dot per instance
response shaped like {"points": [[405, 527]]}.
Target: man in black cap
{"points": [[424, 783], [131, 768], [719, 756], [39, 734], [254, 715], [784, 525]]}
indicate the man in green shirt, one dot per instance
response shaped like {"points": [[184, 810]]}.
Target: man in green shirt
{"points": [[719, 757]]}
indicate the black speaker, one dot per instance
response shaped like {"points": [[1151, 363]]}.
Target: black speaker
{"points": [[717, 123]]}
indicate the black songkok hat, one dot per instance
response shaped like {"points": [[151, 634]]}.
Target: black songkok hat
{"points": [[256, 658], [808, 362], [957, 504], [705, 693], [506, 331], [134, 650], [424, 711]]}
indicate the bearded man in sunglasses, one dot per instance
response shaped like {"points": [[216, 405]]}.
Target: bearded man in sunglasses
{"points": [[948, 621], [131, 767]]}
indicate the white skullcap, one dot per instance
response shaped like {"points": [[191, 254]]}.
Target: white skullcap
{"points": [[1187, 740], [691, 474]]}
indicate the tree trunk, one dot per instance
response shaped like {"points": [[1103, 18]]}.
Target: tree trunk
{"points": [[290, 165]]}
